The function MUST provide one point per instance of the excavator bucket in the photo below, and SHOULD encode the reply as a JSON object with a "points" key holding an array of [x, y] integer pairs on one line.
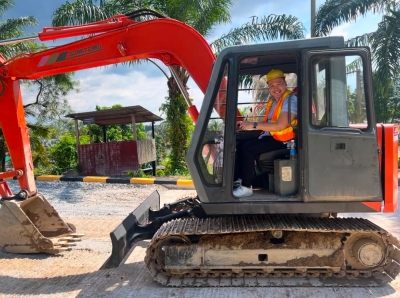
{"points": [[34, 226]]}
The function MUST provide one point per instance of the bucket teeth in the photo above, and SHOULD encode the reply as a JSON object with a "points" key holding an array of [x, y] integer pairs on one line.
{"points": [[75, 240], [60, 250], [66, 238], [70, 239], [66, 244]]}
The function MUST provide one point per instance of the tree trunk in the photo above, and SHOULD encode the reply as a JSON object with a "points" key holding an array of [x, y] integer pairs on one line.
{"points": [[178, 124]]}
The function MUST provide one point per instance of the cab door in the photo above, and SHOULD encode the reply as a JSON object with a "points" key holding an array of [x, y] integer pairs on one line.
{"points": [[339, 146]]}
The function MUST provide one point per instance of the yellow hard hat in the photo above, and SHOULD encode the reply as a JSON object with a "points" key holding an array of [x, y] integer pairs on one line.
{"points": [[275, 73]]}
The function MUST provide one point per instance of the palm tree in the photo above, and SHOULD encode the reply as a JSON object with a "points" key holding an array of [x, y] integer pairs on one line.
{"points": [[384, 42], [50, 89], [203, 15], [13, 28]]}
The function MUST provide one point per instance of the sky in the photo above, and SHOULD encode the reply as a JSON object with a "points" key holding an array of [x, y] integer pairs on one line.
{"points": [[145, 84]]}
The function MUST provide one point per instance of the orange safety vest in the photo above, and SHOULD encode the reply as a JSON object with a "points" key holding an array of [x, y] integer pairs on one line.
{"points": [[287, 133]]}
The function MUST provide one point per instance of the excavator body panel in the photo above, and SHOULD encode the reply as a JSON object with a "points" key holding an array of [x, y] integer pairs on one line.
{"points": [[288, 228]]}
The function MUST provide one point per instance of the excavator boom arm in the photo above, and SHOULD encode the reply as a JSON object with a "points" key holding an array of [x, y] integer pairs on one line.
{"points": [[116, 40], [170, 41]]}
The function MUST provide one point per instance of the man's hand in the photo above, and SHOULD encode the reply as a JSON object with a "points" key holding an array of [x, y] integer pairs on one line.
{"points": [[246, 125]]}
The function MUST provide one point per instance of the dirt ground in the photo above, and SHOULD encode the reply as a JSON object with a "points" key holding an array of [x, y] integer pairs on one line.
{"points": [[76, 273]]}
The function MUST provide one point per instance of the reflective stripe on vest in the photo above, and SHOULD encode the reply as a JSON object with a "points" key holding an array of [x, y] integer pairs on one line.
{"points": [[287, 133]]}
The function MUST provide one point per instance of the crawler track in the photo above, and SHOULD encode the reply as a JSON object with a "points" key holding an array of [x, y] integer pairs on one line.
{"points": [[346, 271]]}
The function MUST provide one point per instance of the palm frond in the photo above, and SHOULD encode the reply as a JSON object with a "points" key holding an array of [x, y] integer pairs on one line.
{"points": [[114, 7], [354, 66], [246, 82], [9, 51], [14, 27], [199, 14], [386, 48], [210, 14], [93, 2], [5, 5], [79, 12], [336, 12], [177, 9], [360, 41], [269, 28]]}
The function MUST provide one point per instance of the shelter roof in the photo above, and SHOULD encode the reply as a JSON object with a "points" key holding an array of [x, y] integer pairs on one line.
{"points": [[117, 116]]}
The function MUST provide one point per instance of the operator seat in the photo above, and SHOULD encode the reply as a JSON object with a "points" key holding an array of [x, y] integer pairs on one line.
{"points": [[266, 160]]}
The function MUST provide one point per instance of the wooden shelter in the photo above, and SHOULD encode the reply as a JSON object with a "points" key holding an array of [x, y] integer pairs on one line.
{"points": [[115, 158]]}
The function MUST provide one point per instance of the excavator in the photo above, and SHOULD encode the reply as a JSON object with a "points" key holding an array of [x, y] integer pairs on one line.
{"points": [[288, 233]]}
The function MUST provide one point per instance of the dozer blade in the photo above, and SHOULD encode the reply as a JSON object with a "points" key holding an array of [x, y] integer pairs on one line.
{"points": [[34, 226], [143, 223], [132, 229]]}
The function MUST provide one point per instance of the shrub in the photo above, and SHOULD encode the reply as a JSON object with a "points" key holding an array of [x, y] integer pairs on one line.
{"points": [[63, 155]]}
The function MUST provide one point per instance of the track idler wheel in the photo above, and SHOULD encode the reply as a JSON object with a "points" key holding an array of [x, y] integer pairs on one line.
{"points": [[365, 251], [171, 240]]}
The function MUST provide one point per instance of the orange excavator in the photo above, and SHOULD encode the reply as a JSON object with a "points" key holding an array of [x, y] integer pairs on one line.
{"points": [[288, 232], [28, 223]]}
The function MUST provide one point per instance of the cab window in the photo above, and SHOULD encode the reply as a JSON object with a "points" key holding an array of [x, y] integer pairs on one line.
{"points": [[337, 92]]}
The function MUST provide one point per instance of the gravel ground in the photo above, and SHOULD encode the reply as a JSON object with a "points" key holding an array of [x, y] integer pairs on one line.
{"points": [[96, 209]]}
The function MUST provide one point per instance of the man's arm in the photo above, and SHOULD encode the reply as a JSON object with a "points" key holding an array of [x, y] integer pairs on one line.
{"points": [[281, 124]]}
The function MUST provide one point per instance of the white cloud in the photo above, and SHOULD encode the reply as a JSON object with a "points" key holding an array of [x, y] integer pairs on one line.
{"points": [[134, 88], [341, 30], [100, 87], [196, 94]]}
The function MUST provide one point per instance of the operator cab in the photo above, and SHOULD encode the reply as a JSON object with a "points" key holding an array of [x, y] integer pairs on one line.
{"points": [[335, 136], [253, 95]]}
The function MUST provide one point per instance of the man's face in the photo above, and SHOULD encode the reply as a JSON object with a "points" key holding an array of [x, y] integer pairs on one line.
{"points": [[277, 87]]}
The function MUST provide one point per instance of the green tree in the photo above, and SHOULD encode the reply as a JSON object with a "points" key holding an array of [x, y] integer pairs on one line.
{"points": [[387, 108], [179, 128], [384, 42], [46, 114], [203, 16], [40, 155], [117, 132], [50, 92], [161, 141], [14, 28], [63, 155]]}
